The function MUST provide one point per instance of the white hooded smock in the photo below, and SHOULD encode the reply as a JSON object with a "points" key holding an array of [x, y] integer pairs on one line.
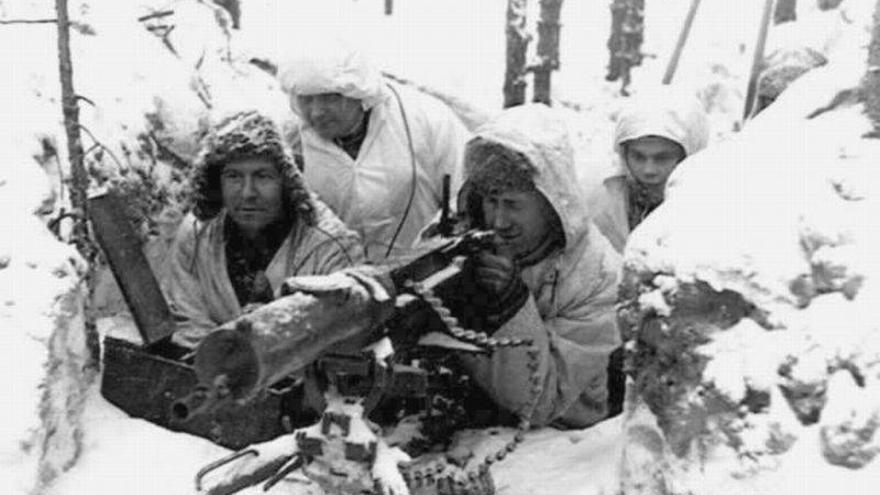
{"points": [[199, 290], [395, 182], [570, 313], [674, 116]]}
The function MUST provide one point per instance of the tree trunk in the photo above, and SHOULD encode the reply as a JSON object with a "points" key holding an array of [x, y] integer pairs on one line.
{"points": [[757, 61], [625, 42], [829, 4], [234, 9], [786, 10], [548, 49], [79, 183], [679, 44], [517, 42], [871, 81], [79, 177]]}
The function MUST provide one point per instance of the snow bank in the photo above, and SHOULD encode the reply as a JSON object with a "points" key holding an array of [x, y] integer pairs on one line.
{"points": [[42, 346], [141, 126], [759, 363]]}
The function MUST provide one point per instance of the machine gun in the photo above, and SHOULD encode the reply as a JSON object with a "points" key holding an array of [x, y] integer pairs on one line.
{"points": [[342, 452], [343, 312], [321, 320]]}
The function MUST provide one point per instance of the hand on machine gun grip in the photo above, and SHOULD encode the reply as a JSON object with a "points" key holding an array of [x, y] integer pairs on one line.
{"points": [[496, 273]]}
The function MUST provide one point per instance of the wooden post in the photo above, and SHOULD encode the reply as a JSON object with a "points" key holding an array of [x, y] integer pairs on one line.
{"points": [[871, 82], [517, 42], [625, 42], [679, 45], [786, 10], [548, 49], [757, 60]]}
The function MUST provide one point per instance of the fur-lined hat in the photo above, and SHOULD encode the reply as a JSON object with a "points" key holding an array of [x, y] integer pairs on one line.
{"points": [[492, 167], [246, 134]]}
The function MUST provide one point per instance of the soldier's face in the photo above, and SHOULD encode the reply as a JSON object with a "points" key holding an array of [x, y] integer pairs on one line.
{"points": [[331, 115], [651, 159], [521, 220], [252, 193]]}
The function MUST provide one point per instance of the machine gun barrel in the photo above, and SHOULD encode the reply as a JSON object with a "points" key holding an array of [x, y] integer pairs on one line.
{"points": [[200, 400]]}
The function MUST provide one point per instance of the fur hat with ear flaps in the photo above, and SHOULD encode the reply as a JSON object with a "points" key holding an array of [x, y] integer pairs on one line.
{"points": [[240, 136]]}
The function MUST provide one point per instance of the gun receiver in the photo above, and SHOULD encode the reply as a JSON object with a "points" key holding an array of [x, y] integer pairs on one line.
{"points": [[441, 258]]}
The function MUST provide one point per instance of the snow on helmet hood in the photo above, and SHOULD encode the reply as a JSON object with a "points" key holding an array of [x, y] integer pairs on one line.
{"points": [[540, 134], [667, 114], [332, 67]]}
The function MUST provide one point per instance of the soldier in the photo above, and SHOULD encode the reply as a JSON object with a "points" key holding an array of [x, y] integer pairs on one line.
{"points": [[253, 225], [654, 134], [375, 152], [552, 278]]}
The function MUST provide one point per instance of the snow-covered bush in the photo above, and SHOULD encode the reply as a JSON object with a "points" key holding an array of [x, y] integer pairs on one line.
{"points": [[751, 306]]}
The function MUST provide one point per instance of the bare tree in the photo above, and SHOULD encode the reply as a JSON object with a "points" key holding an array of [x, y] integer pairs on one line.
{"points": [[79, 183], [70, 108], [679, 44], [625, 42], [234, 9], [871, 82], [786, 10], [548, 49], [829, 4], [757, 61], [517, 42]]}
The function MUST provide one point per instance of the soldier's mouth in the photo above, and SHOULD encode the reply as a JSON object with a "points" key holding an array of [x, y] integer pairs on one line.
{"points": [[506, 239]]}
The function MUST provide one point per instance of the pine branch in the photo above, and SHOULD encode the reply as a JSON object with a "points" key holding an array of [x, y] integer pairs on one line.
{"points": [[29, 21], [155, 15]]}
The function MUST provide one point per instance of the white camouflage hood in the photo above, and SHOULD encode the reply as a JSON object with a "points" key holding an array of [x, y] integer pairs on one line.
{"points": [[676, 117], [541, 135], [333, 67]]}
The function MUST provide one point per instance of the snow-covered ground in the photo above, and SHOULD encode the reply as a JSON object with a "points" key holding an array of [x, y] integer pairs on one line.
{"points": [[78, 443]]}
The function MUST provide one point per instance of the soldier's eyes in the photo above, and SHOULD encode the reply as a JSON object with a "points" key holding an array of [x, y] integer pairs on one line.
{"points": [[637, 156]]}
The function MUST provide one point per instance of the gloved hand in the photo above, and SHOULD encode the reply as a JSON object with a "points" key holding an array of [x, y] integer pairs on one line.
{"points": [[495, 273], [499, 276]]}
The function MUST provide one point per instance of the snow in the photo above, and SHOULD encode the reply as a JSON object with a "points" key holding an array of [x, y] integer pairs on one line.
{"points": [[583, 462], [457, 46], [781, 214], [122, 454]]}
